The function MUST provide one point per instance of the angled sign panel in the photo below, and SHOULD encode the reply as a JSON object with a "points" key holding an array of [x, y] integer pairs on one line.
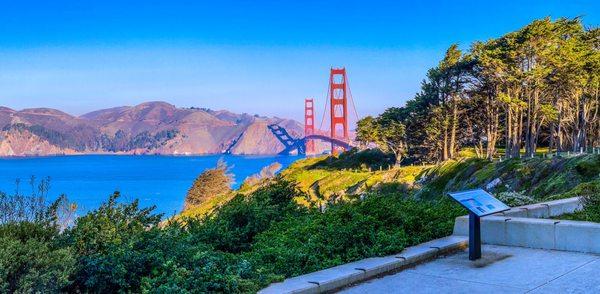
{"points": [[479, 202]]}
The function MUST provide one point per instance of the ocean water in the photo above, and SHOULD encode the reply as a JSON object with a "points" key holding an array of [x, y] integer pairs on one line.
{"points": [[88, 180]]}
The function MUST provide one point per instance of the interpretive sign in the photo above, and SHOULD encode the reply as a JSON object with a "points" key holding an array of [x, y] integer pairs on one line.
{"points": [[479, 203]]}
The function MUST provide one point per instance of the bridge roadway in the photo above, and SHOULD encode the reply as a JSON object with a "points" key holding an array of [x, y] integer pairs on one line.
{"points": [[292, 143]]}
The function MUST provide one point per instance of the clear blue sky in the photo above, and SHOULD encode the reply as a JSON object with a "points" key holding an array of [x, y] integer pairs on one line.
{"points": [[246, 56]]}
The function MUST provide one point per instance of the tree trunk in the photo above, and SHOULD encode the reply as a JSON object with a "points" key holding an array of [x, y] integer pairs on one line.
{"points": [[452, 146], [518, 139], [492, 127], [445, 140], [559, 138], [509, 142]]}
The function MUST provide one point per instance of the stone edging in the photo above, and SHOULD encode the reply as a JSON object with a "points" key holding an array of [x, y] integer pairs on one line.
{"points": [[529, 226], [350, 273], [545, 209]]}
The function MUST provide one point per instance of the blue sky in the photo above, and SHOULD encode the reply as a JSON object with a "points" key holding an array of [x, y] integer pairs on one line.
{"points": [[246, 56]]}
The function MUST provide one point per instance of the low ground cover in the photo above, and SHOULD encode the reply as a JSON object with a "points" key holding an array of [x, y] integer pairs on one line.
{"points": [[591, 207]]}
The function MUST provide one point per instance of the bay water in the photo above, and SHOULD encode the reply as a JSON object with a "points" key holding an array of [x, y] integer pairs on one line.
{"points": [[88, 180]]}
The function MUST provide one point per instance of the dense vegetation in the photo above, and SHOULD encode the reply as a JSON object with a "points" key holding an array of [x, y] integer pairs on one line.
{"points": [[537, 86], [361, 206], [245, 244]]}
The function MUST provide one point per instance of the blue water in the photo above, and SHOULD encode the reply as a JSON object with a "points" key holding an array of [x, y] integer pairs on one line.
{"points": [[154, 180]]}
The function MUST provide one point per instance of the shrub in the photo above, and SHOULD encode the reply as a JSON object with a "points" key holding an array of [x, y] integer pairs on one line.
{"points": [[187, 266], [513, 199], [210, 183], [591, 207], [31, 261], [111, 246], [232, 227], [379, 225], [373, 159], [590, 167]]}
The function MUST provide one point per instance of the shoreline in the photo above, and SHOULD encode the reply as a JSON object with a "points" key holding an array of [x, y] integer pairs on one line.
{"points": [[143, 155]]}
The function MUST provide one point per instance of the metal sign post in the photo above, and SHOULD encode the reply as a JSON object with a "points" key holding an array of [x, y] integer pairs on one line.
{"points": [[479, 203], [474, 236]]}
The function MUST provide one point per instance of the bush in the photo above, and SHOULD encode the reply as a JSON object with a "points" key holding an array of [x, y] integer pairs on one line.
{"points": [[379, 225], [31, 261], [111, 246], [232, 227], [513, 199], [373, 159], [591, 207], [589, 168], [186, 266], [210, 183]]}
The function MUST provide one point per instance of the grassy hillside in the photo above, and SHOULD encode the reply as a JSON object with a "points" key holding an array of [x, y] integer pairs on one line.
{"points": [[323, 180]]}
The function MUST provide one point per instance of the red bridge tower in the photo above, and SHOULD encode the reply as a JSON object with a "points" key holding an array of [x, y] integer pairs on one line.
{"points": [[339, 107], [309, 125]]}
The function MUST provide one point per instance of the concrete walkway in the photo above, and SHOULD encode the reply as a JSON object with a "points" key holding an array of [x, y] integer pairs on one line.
{"points": [[502, 269]]}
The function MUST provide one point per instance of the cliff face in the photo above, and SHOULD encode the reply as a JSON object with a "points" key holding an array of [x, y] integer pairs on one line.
{"points": [[148, 128]]}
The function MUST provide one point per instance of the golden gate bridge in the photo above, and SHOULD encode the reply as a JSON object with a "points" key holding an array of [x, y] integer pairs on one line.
{"points": [[338, 96]]}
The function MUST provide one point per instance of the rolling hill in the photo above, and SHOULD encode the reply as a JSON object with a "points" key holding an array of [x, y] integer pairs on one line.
{"points": [[147, 128]]}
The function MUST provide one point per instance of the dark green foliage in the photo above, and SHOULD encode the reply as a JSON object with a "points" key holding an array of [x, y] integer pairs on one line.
{"points": [[379, 225], [243, 246], [591, 204], [31, 261], [589, 168], [183, 265], [232, 227], [373, 159], [147, 140], [110, 244], [121, 248]]}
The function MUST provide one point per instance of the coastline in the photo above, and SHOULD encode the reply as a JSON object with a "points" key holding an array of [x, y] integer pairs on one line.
{"points": [[142, 154]]}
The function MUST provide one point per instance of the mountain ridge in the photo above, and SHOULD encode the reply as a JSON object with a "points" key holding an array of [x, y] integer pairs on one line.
{"points": [[154, 127]]}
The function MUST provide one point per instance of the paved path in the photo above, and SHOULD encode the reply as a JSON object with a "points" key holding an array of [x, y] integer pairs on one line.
{"points": [[501, 270]]}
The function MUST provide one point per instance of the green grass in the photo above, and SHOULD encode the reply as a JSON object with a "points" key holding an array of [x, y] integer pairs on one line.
{"points": [[538, 178]]}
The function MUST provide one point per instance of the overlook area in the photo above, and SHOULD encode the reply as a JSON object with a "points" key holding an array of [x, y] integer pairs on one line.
{"points": [[491, 141]]}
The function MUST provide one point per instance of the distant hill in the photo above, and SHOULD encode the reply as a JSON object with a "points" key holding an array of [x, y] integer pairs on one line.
{"points": [[147, 128]]}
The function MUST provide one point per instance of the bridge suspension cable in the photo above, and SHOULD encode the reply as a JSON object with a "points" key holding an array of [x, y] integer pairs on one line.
{"points": [[352, 100], [326, 104]]}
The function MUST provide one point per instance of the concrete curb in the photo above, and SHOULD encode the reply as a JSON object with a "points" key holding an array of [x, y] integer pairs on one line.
{"points": [[350, 273], [529, 226], [545, 209]]}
